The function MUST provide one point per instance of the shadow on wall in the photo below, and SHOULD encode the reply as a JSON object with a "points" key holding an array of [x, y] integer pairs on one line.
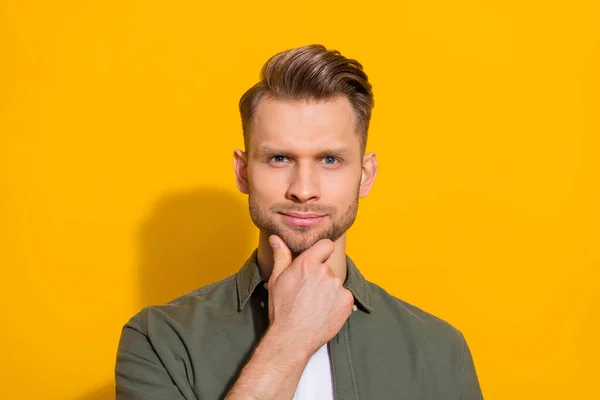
{"points": [[190, 239]]}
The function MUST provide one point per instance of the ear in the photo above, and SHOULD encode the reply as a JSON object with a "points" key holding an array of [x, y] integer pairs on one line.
{"points": [[240, 167], [369, 172]]}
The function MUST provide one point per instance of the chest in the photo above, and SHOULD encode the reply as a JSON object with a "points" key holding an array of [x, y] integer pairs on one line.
{"points": [[361, 362], [316, 382]]}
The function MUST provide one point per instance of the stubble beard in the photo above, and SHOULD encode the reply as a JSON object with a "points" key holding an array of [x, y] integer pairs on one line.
{"points": [[301, 238]]}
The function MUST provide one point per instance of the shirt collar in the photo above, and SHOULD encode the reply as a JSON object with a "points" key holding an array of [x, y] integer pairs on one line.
{"points": [[248, 278]]}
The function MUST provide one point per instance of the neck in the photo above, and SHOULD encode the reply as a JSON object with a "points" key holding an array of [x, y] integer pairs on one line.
{"points": [[337, 261]]}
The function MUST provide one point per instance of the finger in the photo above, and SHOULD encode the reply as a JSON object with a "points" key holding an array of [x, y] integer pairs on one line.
{"points": [[320, 251], [282, 257]]}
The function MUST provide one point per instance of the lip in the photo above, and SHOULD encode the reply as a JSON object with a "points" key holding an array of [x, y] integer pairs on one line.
{"points": [[295, 219], [298, 215]]}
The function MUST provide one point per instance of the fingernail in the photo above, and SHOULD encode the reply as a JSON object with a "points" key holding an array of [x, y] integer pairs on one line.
{"points": [[274, 242]]}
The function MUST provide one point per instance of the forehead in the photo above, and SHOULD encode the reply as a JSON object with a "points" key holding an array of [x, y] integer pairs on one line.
{"points": [[301, 124]]}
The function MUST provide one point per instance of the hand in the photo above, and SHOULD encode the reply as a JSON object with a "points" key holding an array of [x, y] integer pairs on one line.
{"points": [[308, 304]]}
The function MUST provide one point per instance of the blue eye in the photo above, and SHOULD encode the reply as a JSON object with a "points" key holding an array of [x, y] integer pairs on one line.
{"points": [[330, 160], [278, 159]]}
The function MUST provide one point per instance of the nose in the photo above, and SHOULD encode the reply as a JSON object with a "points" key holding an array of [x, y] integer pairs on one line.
{"points": [[304, 184]]}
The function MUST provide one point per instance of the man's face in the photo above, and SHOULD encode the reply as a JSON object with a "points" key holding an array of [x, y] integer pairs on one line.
{"points": [[304, 166]]}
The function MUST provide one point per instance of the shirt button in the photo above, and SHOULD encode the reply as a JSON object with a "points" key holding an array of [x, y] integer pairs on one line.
{"points": [[354, 308], [262, 304], [266, 285]]}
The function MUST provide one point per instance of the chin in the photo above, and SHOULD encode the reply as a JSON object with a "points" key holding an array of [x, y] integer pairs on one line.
{"points": [[300, 240]]}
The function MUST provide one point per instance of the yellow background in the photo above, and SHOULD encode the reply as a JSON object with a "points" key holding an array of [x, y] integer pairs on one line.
{"points": [[118, 120]]}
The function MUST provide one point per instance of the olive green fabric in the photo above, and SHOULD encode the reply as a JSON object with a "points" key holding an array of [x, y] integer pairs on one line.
{"points": [[195, 346]]}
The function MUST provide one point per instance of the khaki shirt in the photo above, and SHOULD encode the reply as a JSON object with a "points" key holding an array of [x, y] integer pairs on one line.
{"points": [[195, 346]]}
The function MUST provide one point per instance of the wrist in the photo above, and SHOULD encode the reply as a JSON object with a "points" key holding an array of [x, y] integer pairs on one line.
{"points": [[288, 342]]}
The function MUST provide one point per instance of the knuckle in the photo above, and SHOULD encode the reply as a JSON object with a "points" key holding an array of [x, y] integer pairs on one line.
{"points": [[281, 257], [348, 298], [303, 268], [304, 265], [337, 282]]}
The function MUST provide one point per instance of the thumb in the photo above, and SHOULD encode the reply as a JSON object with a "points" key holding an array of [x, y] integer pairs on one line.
{"points": [[282, 257]]}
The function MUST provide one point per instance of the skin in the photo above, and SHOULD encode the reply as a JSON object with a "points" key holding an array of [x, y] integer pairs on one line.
{"points": [[303, 157]]}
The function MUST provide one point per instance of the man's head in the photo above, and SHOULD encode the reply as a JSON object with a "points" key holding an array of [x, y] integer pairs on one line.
{"points": [[305, 130]]}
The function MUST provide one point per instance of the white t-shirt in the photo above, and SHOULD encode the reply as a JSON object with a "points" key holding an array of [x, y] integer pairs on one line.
{"points": [[316, 382]]}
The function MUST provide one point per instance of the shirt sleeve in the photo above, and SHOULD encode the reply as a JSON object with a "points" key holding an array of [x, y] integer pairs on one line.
{"points": [[469, 383], [139, 371]]}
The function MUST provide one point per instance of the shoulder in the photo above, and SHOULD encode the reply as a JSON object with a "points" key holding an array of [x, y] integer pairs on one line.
{"points": [[425, 331], [210, 301], [437, 347]]}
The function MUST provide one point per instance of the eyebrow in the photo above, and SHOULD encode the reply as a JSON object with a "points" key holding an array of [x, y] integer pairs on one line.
{"points": [[336, 152]]}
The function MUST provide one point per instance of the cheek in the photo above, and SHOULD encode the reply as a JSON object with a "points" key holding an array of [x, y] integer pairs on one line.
{"points": [[265, 187], [340, 192], [348, 176]]}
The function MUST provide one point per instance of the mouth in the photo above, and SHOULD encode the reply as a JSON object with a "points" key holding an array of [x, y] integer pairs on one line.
{"points": [[297, 219]]}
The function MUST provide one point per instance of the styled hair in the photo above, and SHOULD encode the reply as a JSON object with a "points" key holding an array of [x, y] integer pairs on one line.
{"points": [[311, 73]]}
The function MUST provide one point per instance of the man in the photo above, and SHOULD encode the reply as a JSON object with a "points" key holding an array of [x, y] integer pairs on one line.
{"points": [[298, 320]]}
